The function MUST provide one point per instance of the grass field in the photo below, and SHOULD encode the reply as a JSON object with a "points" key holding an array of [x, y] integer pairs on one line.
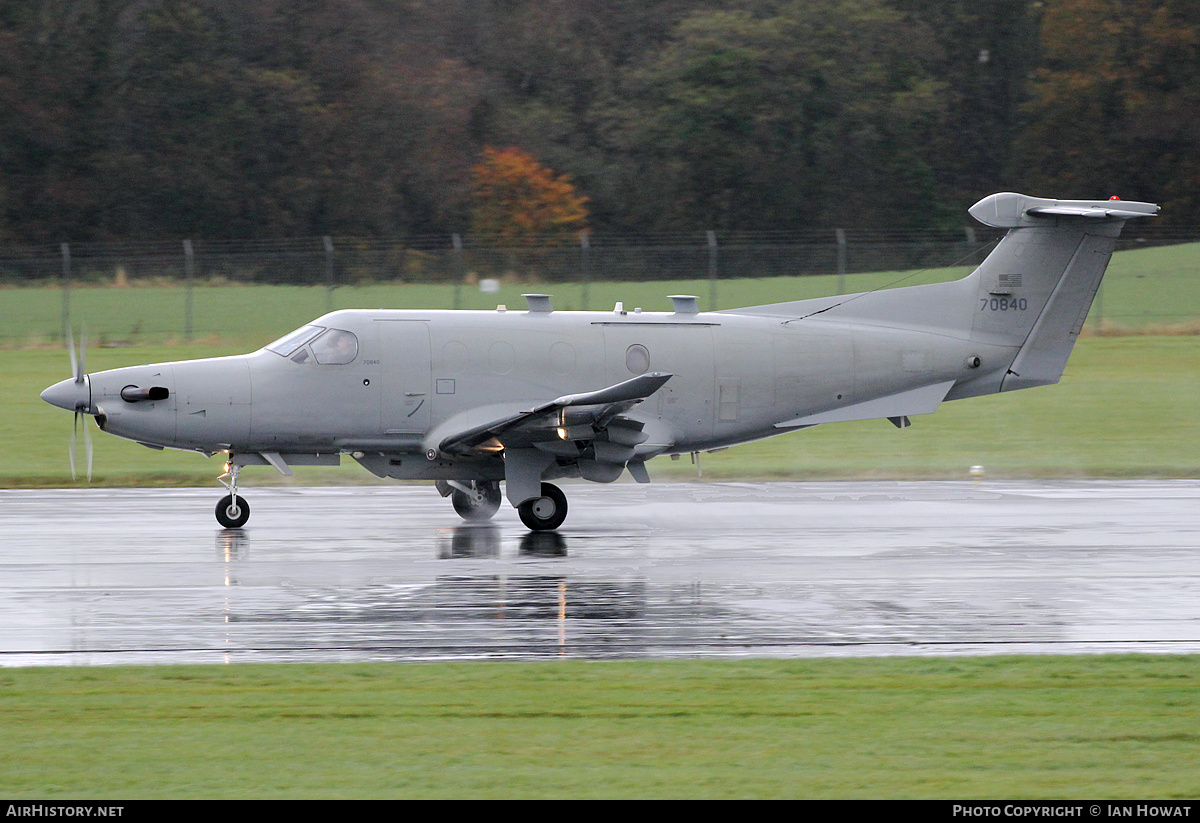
{"points": [[1156, 289], [1001, 727]]}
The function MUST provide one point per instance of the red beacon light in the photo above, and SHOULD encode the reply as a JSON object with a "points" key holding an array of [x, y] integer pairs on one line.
{"points": [[1114, 197]]}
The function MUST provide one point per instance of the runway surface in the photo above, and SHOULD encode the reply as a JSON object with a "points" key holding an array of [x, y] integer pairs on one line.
{"points": [[116, 576]]}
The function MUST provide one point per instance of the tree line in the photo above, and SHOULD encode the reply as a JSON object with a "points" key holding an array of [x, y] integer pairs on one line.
{"points": [[146, 119]]}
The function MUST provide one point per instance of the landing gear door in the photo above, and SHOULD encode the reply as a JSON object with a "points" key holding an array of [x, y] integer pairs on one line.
{"points": [[406, 376]]}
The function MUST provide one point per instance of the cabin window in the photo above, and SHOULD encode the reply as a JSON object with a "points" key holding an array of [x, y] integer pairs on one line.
{"points": [[335, 348], [637, 358]]}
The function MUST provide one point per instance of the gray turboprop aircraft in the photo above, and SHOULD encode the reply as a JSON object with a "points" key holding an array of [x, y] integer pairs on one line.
{"points": [[468, 398]]}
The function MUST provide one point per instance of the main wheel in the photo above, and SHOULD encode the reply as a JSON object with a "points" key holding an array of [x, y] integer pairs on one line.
{"points": [[546, 512], [232, 513], [469, 508]]}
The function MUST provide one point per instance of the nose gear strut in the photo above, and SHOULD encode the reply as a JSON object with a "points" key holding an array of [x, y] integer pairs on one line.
{"points": [[232, 511]]}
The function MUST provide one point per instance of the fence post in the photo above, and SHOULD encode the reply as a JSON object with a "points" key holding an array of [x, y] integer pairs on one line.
{"points": [[189, 273], [66, 290], [327, 241], [456, 242], [712, 270], [841, 259], [584, 249]]}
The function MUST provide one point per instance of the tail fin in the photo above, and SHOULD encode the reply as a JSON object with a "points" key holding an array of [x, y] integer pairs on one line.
{"points": [[1032, 293], [1036, 287]]}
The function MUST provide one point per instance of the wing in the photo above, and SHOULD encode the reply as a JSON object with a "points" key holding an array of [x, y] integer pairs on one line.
{"points": [[557, 425]]}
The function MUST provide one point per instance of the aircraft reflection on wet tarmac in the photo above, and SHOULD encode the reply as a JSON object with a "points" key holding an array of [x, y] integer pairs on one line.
{"points": [[463, 597], [706, 570], [476, 540]]}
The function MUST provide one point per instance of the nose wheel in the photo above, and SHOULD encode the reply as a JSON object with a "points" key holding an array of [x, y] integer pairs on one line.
{"points": [[232, 511]]}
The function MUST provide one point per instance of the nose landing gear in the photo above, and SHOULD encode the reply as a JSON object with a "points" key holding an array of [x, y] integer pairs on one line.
{"points": [[232, 511]]}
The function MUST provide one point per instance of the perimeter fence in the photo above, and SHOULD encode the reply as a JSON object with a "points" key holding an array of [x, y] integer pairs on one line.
{"points": [[151, 291]]}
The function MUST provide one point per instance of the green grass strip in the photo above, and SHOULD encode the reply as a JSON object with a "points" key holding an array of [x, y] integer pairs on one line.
{"points": [[991, 727]]}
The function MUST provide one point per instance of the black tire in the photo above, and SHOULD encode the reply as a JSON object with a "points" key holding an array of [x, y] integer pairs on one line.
{"points": [[546, 512], [233, 514], [476, 512]]}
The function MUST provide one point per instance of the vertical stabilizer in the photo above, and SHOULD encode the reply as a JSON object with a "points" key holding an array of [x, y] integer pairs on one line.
{"points": [[1036, 288], [1027, 300]]}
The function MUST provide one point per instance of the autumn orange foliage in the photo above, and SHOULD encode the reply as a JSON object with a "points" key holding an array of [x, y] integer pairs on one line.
{"points": [[519, 200]]}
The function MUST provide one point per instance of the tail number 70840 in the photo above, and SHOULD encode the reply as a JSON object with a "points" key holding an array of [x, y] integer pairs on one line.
{"points": [[1003, 304]]}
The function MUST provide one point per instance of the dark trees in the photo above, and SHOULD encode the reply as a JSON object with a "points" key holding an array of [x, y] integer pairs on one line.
{"points": [[215, 118], [1115, 107]]}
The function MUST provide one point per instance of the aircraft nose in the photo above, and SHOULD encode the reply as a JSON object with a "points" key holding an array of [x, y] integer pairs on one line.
{"points": [[69, 395]]}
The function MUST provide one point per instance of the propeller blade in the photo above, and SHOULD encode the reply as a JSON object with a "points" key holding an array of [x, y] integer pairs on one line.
{"points": [[82, 354], [74, 437], [87, 448], [75, 372], [79, 372]]}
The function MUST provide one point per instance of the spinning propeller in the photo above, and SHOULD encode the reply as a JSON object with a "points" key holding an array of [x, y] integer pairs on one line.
{"points": [[75, 395], [79, 371]]}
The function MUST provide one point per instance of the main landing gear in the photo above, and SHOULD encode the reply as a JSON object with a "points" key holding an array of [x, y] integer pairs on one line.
{"points": [[546, 512], [232, 511], [477, 501]]}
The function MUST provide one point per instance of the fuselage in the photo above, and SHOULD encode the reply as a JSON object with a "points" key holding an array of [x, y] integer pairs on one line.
{"points": [[734, 378]]}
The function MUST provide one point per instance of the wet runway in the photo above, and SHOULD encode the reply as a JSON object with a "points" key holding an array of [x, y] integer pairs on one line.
{"points": [[116, 576]]}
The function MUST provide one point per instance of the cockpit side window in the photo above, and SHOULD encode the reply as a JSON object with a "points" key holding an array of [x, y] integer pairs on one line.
{"points": [[288, 344], [335, 348]]}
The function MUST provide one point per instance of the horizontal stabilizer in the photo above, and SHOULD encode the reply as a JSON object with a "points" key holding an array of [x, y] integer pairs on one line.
{"points": [[1008, 210], [924, 400]]}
